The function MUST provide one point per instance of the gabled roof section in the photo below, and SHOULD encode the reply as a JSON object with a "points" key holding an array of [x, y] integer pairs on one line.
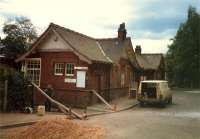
{"points": [[149, 61], [34, 45], [113, 48], [116, 49], [84, 44], [87, 48]]}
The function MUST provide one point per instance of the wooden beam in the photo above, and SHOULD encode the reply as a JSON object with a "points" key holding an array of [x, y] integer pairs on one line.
{"points": [[62, 107], [103, 100]]}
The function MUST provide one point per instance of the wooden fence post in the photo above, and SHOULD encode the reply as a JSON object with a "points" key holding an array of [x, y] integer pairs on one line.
{"points": [[5, 95]]}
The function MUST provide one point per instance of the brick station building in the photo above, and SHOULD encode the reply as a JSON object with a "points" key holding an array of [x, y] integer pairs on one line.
{"points": [[71, 62]]}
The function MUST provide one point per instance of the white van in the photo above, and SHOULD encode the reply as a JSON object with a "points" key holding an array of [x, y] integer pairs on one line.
{"points": [[154, 91]]}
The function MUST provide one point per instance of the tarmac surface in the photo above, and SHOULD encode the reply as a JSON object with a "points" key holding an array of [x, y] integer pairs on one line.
{"points": [[181, 120]]}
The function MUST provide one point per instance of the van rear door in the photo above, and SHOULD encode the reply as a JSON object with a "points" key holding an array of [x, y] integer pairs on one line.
{"points": [[149, 90]]}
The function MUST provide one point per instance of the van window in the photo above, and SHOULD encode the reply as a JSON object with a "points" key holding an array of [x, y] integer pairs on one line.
{"points": [[149, 90]]}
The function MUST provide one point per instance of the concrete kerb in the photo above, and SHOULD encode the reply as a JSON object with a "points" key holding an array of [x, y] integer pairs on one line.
{"points": [[17, 124], [89, 115]]}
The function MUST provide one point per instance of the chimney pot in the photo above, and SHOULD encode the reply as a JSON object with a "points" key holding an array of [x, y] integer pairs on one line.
{"points": [[138, 49], [122, 32]]}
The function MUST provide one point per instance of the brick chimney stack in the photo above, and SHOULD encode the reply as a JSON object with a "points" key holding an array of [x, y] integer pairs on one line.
{"points": [[122, 32], [138, 49]]}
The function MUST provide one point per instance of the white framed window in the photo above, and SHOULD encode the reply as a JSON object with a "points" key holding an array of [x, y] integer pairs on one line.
{"points": [[32, 70], [69, 69], [58, 69]]}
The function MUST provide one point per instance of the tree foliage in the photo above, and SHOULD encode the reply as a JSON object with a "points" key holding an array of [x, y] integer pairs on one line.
{"points": [[183, 56], [20, 33], [19, 93]]}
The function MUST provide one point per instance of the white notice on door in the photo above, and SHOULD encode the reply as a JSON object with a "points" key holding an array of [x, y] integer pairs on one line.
{"points": [[80, 81]]}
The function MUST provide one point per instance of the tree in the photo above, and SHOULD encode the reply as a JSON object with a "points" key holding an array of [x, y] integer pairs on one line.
{"points": [[20, 33], [19, 93], [183, 56]]}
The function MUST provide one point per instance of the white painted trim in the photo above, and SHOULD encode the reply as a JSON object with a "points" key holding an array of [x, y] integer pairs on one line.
{"points": [[98, 44], [69, 74], [81, 68], [36, 59], [58, 74], [69, 80]]}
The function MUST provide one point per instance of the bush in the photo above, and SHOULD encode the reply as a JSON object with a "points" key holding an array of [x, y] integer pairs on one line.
{"points": [[19, 94]]}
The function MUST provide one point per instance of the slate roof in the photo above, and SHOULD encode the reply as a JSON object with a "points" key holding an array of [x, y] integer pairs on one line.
{"points": [[108, 50], [116, 49], [82, 43], [149, 61]]}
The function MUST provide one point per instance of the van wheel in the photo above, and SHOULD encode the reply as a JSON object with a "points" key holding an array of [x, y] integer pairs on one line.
{"points": [[170, 100]]}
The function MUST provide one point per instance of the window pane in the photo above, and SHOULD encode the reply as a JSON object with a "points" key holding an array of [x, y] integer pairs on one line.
{"points": [[69, 68], [59, 68], [33, 70]]}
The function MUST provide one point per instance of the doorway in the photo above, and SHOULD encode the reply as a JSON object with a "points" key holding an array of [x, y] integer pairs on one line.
{"points": [[80, 81]]}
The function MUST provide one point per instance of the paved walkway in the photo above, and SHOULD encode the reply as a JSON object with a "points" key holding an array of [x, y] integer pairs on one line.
{"points": [[19, 119], [122, 103]]}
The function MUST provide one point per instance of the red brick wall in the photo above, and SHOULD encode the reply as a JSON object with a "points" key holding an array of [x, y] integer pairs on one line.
{"points": [[48, 59], [125, 68], [99, 77]]}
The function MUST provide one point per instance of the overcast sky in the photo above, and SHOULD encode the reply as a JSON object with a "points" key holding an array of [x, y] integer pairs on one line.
{"points": [[150, 23]]}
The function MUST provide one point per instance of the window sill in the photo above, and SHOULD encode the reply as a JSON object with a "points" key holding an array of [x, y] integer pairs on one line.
{"points": [[57, 74], [69, 75]]}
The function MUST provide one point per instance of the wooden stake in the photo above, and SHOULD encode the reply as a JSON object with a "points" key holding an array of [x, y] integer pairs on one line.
{"points": [[60, 106], [103, 100]]}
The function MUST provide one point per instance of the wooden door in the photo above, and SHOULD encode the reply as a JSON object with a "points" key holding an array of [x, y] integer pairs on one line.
{"points": [[80, 81]]}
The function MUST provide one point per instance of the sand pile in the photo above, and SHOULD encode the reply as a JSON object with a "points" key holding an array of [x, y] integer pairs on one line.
{"points": [[60, 128]]}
